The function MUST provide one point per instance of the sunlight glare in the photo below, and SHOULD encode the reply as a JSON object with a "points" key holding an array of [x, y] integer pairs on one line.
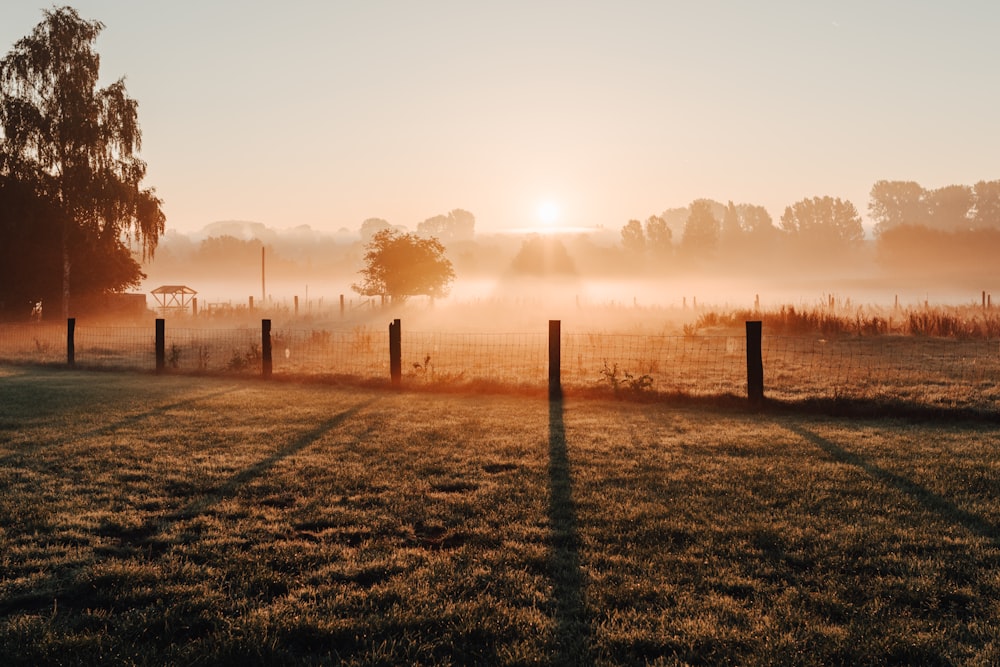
{"points": [[548, 213]]}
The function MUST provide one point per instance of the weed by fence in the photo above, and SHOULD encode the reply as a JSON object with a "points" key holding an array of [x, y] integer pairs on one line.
{"points": [[920, 370]]}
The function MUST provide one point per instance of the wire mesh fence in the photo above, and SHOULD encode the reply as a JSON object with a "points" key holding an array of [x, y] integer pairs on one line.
{"points": [[937, 372]]}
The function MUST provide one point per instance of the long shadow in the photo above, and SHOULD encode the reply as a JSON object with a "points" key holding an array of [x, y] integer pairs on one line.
{"points": [[112, 427], [138, 417], [930, 500], [148, 534], [231, 487], [572, 624]]}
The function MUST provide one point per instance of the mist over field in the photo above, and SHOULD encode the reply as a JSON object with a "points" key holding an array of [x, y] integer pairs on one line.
{"points": [[522, 277]]}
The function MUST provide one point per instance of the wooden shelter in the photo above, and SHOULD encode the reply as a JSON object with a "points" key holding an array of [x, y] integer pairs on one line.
{"points": [[173, 298]]}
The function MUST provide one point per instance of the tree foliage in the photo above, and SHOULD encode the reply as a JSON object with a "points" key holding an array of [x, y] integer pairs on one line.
{"points": [[747, 229], [952, 208], [824, 220], [966, 257], [633, 237], [987, 209], [542, 256], [458, 225], [896, 203], [702, 229], [29, 270], [403, 265], [74, 147], [652, 238], [659, 238], [372, 226]]}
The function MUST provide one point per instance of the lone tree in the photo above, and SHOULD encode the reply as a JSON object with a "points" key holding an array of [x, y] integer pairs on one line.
{"points": [[404, 265], [69, 165]]}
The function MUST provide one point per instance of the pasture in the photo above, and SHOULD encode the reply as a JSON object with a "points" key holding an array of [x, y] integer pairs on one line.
{"points": [[227, 520]]}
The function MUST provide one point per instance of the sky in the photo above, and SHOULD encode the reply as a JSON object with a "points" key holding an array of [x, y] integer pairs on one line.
{"points": [[568, 113]]}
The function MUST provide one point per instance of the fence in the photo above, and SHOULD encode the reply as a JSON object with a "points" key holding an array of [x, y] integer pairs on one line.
{"points": [[934, 372]]}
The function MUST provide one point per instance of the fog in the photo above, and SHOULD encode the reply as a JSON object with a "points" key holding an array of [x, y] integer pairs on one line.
{"points": [[518, 280]]}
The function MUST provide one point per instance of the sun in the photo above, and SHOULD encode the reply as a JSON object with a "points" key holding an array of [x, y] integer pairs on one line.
{"points": [[548, 213]]}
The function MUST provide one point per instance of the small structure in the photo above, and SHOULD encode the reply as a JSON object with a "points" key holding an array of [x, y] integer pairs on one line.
{"points": [[173, 298]]}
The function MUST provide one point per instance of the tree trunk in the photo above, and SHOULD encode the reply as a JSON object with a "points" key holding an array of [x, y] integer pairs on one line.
{"points": [[65, 271]]}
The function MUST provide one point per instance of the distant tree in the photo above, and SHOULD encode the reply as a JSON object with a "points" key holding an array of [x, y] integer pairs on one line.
{"points": [[633, 237], [75, 146], [731, 230], [987, 207], [372, 226], [895, 203], [950, 208], [543, 256], [403, 265], [756, 221], [950, 257], [659, 238], [676, 218], [224, 252], [701, 232], [746, 228], [823, 220], [458, 225]]}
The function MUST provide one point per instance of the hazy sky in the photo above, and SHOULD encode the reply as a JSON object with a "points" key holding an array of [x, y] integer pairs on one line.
{"points": [[327, 113]]}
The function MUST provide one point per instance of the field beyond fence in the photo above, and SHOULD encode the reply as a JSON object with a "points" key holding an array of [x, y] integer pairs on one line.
{"points": [[924, 371]]}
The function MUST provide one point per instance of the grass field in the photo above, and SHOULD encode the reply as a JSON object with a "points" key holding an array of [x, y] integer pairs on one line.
{"points": [[180, 520]]}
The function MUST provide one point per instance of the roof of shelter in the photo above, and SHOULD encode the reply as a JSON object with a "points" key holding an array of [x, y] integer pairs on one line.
{"points": [[173, 289]]}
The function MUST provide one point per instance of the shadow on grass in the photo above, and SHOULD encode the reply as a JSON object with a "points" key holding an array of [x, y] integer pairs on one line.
{"points": [[930, 500], [113, 427], [231, 487], [147, 536], [572, 630]]}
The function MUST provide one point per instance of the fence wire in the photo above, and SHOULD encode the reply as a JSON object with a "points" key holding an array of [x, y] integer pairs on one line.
{"points": [[920, 370]]}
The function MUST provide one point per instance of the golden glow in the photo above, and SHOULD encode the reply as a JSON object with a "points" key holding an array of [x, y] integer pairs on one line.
{"points": [[548, 213]]}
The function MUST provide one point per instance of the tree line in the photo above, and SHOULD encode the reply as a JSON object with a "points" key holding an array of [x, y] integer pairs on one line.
{"points": [[909, 220]]}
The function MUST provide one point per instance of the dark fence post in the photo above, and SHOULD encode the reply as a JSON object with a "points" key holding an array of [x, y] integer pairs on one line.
{"points": [[395, 352], [555, 359], [265, 348], [755, 364], [161, 345], [71, 342]]}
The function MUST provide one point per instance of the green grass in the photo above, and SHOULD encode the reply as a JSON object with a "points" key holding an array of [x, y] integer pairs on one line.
{"points": [[173, 520]]}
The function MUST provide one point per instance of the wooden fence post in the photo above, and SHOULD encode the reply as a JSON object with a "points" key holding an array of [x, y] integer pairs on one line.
{"points": [[71, 342], [555, 359], [395, 353], [341, 305], [265, 348], [161, 345], [755, 364]]}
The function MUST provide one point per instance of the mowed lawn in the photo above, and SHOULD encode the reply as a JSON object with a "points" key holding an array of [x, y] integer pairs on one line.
{"points": [[180, 520]]}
